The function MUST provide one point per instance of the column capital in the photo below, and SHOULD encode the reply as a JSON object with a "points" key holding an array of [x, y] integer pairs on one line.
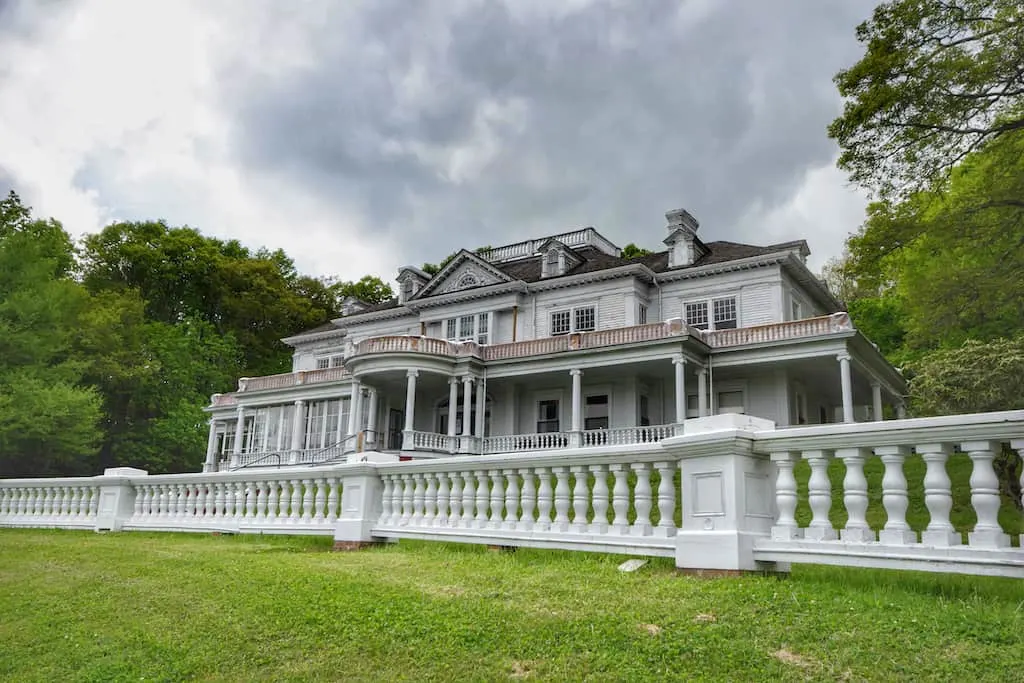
{"points": [[240, 410], [843, 355], [679, 360], [300, 402], [575, 372], [468, 379], [453, 380], [412, 373]]}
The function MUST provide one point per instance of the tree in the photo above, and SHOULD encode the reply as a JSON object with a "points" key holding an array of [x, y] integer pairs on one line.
{"points": [[435, 268], [48, 414], [257, 298], [368, 289], [633, 251], [939, 79]]}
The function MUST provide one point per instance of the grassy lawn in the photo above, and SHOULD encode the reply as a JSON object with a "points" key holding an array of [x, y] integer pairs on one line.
{"points": [[133, 606]]}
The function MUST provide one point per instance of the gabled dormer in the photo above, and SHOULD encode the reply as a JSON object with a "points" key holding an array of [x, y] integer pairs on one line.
{"points": [[410, 281], [350, 305], [684, 249], [467, 270], [556, 258]]}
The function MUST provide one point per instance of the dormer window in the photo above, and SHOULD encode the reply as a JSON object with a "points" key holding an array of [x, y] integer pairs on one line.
{"points": [[552, 263], [407, 289]]}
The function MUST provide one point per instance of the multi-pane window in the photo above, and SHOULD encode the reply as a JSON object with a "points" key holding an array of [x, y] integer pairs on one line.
{"points": [[580, 319], [547, 416], [697, 314], [585, 319], [561, 322], [595, 412], [641, 314], [795, 310], [469, 328], [323, 363], [725, 313]]}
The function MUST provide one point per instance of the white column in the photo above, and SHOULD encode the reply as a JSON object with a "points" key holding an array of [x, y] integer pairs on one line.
{"points": [[702, 392], [453, 408], [680, 365], [481, 408], [298, 430], [211, 448], [847, 385], [876, 402], [371, 419], [239, 436], [279, 446], [467, 404], [576, 437], [410, 408], [353, 408]]}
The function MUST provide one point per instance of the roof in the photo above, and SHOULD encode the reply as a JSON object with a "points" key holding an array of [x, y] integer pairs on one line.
{"points": [[529, 269]]}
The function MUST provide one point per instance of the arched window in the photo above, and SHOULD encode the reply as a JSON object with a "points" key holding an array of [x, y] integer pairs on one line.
{"points": [[467, 280]]}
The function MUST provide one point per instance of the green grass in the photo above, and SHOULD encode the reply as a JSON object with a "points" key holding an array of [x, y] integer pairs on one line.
{"points": [[77, 606]]}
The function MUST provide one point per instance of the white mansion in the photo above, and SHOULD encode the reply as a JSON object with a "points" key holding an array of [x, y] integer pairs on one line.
{"points": [[561, 343]]}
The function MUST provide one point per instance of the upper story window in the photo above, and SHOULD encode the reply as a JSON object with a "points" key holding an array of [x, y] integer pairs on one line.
{"points": [[324, 362], [475, 327], [796, 310], [579, 319], [722, 314], [641, 314]]}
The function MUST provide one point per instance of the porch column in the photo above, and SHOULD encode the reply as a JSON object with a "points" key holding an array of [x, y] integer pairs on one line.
{"points": [[847, 385], [453, 410], [239, 437], [211, 448], [702, 392], [481, 408], [410, 409], [901, 410], [279, 446], [680, 365], [298, 431], [353, 405], [876, 401], [576, 438], [371, 418]]}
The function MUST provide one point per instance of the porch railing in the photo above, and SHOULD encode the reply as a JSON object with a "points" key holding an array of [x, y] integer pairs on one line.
{"points": [[793, 329], [514, 443], [627, 436], [63, 503], [429, 441]]}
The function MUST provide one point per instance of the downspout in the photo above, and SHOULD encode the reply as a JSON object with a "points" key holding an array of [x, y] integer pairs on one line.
{"points": [[712, 403]]}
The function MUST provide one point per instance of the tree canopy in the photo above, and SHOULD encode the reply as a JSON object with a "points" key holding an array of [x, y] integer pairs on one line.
{"points": [[938, 80]]}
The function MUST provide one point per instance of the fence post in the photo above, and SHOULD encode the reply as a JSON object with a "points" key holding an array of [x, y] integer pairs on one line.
{"points": [[727, 494], [117, 497], [361, 507]]}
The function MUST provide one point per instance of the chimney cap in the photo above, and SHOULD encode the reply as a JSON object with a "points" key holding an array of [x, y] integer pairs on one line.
{"points": [[681, 218]]}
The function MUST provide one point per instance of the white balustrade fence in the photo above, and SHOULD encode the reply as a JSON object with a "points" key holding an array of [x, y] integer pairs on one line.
{"points": [[724, 495], [620, 503]]}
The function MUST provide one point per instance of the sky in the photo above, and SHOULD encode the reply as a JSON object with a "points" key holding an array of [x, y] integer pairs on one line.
{"points": [[363, 136]]}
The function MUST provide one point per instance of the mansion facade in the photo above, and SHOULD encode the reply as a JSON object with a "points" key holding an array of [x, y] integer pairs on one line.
{"points": [[561, 343]]}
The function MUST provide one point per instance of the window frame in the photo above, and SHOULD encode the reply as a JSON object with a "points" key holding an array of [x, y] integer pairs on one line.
{"points": [[708, 305], [573, 313], [454, 331]]}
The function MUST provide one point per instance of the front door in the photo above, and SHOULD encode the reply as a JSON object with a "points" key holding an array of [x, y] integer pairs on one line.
{"points": [[396, 418]]}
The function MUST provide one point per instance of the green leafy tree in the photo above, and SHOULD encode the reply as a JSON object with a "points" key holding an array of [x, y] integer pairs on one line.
{"points": [[48, 414], [633, 251], [938, 80], [257, 298], [368, 289]]}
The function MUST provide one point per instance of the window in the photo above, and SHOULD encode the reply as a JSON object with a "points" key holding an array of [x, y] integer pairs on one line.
{"points": [[645, 411], [467, 280], [595, 412], [580, 319], [697, 315], [469, 328], [730, 402], [323, 363], [725, 313], [692, 406], [407, 285], [337, 361], [795, 310], [547, 416], [483, 335], [641, 314], [552, 263]]}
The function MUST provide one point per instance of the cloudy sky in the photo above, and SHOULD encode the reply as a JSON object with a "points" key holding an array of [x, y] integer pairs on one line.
{"points": [[360, 136]]}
